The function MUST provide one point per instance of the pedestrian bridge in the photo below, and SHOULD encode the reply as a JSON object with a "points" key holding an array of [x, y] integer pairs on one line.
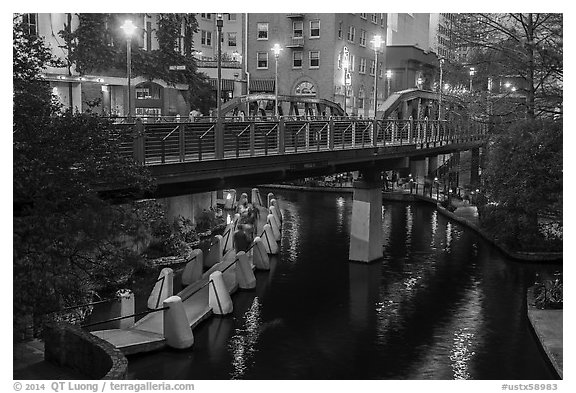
{"points": [[189, 157]]}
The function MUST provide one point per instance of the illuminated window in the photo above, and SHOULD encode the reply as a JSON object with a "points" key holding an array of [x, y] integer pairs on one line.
{"points": [[262, 31], [298, 28], [232, 39], [362, 66], [297, 59], [262, 60], [351, 33], [314, 28], [314, 59], [30, 23], [206, 38], [306, 89]]}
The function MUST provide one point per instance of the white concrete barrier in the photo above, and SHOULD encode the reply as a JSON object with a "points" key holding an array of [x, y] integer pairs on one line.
{"points": [[260, 256], [229, 199], [256, 198], [177, 331], [193, 269], [269, 197], [262, 215], [276, 204], [215, 252], [244, 273], [218, 296], [276, 211], [163, 289], [271, 220], [122, 308], [269, 240]]}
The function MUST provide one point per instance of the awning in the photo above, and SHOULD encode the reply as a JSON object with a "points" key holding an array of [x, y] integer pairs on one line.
{"points": [[261, 85], [227, 84]]}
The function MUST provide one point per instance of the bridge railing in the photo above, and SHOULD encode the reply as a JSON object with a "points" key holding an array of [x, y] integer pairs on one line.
{"points": [[159, 143]]}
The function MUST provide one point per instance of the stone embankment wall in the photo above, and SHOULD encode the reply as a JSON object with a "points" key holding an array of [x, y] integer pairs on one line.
{"points": [[69, 346]]}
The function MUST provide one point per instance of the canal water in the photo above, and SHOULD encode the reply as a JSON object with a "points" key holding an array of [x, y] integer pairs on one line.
{"points": [[443, 304]]}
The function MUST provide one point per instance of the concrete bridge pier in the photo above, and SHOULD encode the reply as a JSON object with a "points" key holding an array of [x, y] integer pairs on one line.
{"points": [[419, 168], [366, 227]]}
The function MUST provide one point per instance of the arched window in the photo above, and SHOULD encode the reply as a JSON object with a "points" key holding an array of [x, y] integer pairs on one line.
{"points": [[305, 89]]}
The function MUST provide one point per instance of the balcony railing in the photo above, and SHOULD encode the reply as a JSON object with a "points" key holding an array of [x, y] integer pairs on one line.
{"points": [[296, 42]]}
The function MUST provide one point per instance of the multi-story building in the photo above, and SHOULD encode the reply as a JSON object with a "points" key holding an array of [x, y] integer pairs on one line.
{"points": [[411, 61], [442, 35], [106, 92], [313, 57], [232, 49]]}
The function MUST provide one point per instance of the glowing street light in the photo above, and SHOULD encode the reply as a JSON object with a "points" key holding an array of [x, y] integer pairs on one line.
{"points": [[388, 79], [472, 73], [276, 49], [129, 29]]}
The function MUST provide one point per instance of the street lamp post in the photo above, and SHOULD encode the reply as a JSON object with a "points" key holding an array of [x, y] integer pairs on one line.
{"points": [[129, 29], [472, 72], [388, 79], [345, 64], [377, 41], [276, 49], [219, 24], [440, 97]]}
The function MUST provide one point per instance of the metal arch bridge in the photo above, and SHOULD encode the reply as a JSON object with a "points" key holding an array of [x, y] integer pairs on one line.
{"points": [[189, 157]]}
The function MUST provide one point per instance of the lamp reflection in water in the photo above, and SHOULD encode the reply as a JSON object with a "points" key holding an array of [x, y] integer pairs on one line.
{"points": [[243, 343], [340, 203]]}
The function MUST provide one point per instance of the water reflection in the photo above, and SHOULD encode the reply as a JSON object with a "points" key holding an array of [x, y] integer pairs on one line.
{"points": [[243, 343]]}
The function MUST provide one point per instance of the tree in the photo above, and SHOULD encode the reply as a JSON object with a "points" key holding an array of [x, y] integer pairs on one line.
{"points": [[68, 242], [523, 180], [526, 46], [97, 45]]}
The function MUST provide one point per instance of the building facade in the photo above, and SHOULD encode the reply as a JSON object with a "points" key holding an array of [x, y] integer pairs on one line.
{"points": [[232, 49], [107, 92], [312, 59], [411, 61]]}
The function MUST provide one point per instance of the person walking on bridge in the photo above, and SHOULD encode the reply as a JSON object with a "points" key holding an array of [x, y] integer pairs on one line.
{"points": [[241, 240]]}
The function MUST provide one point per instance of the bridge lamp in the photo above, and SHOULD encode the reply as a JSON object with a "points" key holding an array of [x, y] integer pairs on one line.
{"points": [[276, 49], [472, 73], [388, 79], [219, 24], [129, 28], [377, 41]]}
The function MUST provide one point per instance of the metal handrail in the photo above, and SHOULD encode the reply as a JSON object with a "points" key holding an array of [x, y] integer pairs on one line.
{"points": [[238, 140], [84, 305], [170, 133], [125, 316]]}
